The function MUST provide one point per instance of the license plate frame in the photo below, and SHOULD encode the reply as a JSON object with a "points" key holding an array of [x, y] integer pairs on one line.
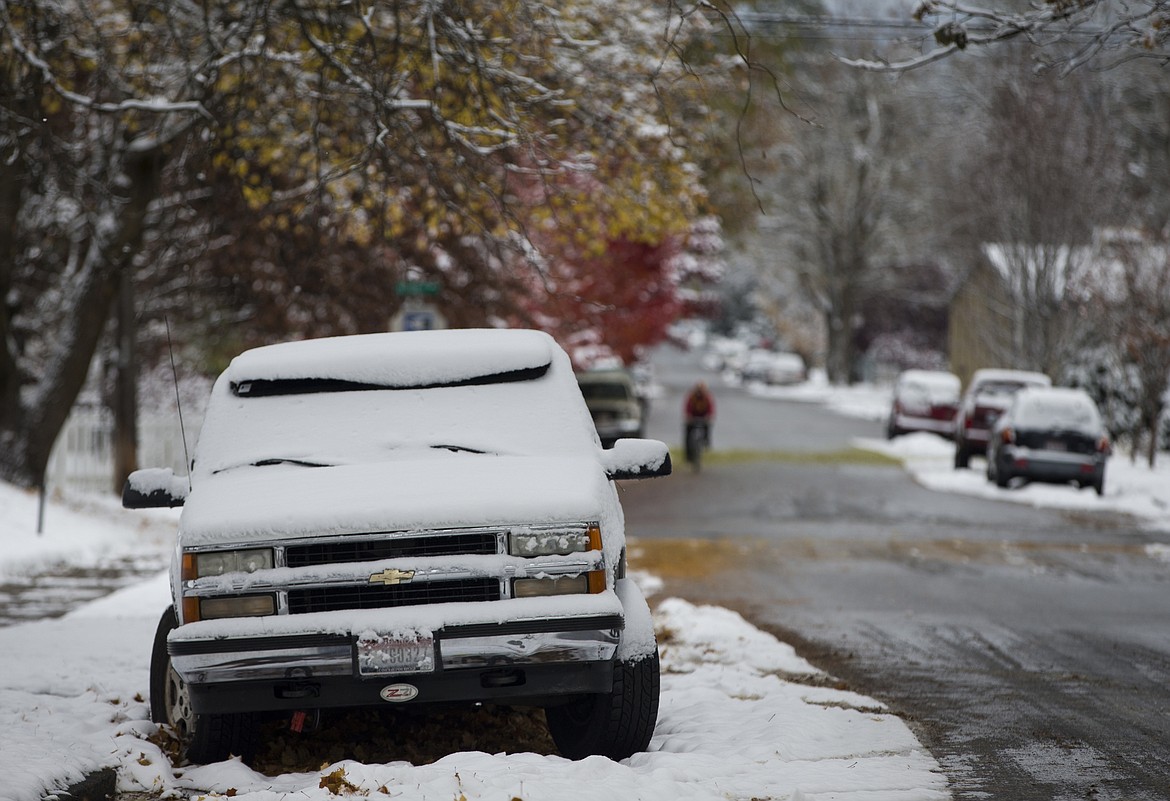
{"points": [[394, 654]]}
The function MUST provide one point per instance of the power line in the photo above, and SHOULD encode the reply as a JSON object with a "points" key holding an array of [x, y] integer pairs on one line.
{"points": [[823, 27], [776, 18]]}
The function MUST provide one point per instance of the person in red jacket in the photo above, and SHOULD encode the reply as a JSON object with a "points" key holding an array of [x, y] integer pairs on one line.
{"points": [[699, 410]]}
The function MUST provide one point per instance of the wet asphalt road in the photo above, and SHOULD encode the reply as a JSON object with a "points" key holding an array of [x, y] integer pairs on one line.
{"points": [[1028, 648]]}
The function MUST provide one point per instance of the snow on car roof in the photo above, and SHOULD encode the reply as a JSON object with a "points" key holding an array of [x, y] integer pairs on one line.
{"points": [[933, 378], [1002, 374], [1056, 407], [399, 359]]}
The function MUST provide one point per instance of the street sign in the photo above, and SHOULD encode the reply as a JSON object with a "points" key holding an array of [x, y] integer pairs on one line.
{"points": [[418, 317], [416, 288]]}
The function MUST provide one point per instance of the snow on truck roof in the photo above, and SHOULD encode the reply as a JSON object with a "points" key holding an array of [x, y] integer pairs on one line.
{"points": [[469, 391], [397, 360]]}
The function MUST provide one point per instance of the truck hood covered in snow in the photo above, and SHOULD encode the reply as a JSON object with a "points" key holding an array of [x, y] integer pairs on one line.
{"points": [[437, 489]]}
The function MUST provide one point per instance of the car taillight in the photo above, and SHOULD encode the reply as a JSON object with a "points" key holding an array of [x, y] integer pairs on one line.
{"points": [[1103, 444], [1007, 436]]}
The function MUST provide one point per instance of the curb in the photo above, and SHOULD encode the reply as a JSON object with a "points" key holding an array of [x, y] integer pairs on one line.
{"points": [[100, 785]]}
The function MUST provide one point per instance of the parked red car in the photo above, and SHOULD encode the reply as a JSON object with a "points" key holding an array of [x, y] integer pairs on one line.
{"points": [[988, 395], [924, 400]]}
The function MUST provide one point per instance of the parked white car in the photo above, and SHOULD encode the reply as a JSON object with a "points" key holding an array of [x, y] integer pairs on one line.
{"points": [[403, 518], [775, 368], [924, 400]]}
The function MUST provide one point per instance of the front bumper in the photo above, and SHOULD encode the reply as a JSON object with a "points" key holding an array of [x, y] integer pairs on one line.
{"points": [[527, 659], [616, 429]]}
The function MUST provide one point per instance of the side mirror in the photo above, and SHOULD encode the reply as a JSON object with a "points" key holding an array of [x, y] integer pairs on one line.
{"points": [[154, 488], [636, 458]]}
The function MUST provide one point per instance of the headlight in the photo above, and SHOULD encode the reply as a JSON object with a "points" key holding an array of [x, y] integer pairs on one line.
{"points": [[554, 542], [539, 587], [217, 563], [591, 582], [237, 606]]}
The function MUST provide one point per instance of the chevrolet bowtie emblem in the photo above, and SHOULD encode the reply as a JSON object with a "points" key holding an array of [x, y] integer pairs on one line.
{"points": [[392, 576]]}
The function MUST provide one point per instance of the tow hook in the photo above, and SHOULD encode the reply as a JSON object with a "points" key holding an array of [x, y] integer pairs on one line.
{"points": [[305, 720]]}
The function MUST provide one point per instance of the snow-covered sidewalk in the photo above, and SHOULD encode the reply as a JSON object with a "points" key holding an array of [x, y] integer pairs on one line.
{"points": [[1131, 487]]}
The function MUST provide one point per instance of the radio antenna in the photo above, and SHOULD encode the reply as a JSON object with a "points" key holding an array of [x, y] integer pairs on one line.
{"points": [[178, 402]]}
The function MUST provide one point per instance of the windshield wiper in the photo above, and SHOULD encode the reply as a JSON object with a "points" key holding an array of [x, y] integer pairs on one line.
{"points": [[275, 460], [457, 449], [266, 387], [281, 460]]}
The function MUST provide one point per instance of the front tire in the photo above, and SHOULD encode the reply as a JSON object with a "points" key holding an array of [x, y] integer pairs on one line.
{"points": [[696, 440], [962, 457], [202, 738], [617, 724]]}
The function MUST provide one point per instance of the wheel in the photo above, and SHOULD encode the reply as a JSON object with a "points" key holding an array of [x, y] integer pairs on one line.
{"points": [[695, 441], [617, 724], [1002, 479], [1099, 486], [203, 738], [962, 457]]}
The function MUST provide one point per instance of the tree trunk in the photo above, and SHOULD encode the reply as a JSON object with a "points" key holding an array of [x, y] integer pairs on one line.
{"points": [[839, 335], [1152, 420], [28, 431], [12, 445], [125, 399]]}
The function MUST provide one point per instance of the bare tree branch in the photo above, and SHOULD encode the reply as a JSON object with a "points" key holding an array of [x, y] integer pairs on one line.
{"points": [[1070, 33]]}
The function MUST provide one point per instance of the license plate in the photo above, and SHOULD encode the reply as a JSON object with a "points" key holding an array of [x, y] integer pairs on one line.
{"points": [[392, 655], [1056, 445]]}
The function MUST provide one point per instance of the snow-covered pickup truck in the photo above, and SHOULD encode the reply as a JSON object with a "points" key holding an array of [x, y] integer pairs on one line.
{"points": [[402, 518]]}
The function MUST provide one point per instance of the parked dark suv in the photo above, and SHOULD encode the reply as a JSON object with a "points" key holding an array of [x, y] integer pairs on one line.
{"points": [[1053, 435], [988, 395]]}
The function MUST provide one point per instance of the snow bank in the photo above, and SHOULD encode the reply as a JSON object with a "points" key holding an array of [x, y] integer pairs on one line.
{"points": [[1131, 487], [733, 724]]}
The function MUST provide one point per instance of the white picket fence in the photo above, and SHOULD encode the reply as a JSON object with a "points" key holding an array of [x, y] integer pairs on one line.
{"points": [[82, 459]]}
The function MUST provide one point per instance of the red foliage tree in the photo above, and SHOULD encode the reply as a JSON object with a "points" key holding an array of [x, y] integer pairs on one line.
{"points": [[616, 303]]}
